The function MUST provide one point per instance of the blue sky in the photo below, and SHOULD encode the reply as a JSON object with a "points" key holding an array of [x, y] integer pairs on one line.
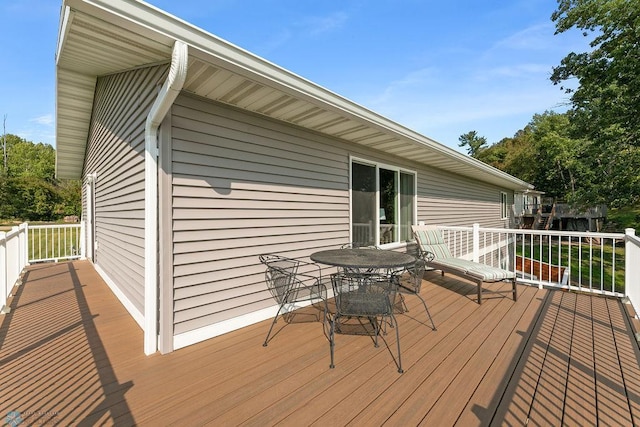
{"points": [[440, 68]]}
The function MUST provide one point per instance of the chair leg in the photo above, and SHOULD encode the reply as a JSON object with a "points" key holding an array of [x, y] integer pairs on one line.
{"points": [[433, 325], [404, 304], [376, 330], [515, 290], [395, 322], [332, 342], [275, 319], [480, 292]]}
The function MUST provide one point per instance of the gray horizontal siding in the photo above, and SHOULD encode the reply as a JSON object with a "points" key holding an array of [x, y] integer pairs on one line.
{"points": [[243, 185], [449, 199], [115, 151]]}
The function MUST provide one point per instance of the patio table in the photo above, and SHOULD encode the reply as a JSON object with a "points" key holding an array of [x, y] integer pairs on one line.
{"points": [[363, 259]]}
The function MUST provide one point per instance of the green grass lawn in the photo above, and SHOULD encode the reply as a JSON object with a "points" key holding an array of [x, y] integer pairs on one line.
{"points": [[619, 219]]}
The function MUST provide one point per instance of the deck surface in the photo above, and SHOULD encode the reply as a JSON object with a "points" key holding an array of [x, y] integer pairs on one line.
{"points": [[71, 354]]}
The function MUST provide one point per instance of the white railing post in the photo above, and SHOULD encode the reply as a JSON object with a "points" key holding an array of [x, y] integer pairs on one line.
{"points": [[4, 279], [476, 242], [83, 244], [24, 245], [632, 269]]}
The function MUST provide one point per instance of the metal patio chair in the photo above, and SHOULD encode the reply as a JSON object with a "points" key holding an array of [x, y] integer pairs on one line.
{"points": [[409, 282], [367, 299], [288, 286]]}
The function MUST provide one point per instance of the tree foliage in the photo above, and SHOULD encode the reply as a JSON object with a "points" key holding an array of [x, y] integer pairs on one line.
{"points": [[590, 154], [474, 143], [605, 104], [28, 188], [543, 154]]}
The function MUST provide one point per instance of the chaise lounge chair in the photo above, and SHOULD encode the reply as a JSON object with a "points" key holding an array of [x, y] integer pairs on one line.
{"points": [[436, 254]]}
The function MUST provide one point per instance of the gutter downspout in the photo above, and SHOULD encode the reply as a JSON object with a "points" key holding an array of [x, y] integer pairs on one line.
{"points": [[167, 95]]}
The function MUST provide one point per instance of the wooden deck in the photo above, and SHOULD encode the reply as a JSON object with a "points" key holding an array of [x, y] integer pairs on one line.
{"points": [[70, 354]]}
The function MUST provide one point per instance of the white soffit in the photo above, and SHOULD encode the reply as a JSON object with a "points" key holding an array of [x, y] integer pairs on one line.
{"points": [[104, 37]]}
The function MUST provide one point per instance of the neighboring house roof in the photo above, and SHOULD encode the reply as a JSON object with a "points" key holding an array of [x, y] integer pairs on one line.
{"points": [[101, 37]]}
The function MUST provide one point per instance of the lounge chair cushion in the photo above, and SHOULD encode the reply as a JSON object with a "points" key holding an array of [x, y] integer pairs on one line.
{"points": [[484, 272], [437, 255], [432, 242]]}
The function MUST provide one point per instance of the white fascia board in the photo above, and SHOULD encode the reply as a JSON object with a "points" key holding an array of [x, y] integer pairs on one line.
{"points": [[165, 27], [66, 18]]}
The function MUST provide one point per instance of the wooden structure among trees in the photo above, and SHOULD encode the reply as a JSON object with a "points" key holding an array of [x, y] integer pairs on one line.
{"points": [[71, 354], [552, 215]]}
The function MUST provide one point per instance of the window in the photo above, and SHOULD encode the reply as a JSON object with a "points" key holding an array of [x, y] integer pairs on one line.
{"points": [[382, 203], [504, 212]]}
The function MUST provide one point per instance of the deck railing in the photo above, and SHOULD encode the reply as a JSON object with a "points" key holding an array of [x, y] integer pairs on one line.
{"points": [[27, 244], [12, 260], [601, 263], [54, 242]]}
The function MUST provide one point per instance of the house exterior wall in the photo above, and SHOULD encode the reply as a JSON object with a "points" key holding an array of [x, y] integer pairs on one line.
{"points": [[243, 185], [115, 154], [448, 199]]}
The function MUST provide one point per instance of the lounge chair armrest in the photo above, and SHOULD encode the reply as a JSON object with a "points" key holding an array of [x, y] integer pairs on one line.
{"points": [[427, 256]]}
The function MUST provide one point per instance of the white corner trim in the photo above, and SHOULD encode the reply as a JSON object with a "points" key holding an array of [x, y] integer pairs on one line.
{"points": [[167, 95]]}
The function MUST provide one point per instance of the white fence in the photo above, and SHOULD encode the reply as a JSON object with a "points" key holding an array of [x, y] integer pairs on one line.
{"points": [[602, 263], [27, 244], [54, 242], [13, 258]]}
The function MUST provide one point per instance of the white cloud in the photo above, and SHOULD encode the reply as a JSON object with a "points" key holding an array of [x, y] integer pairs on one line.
{"points": [[536, 37], [46, 120], [514, 71], [409, 83], [275, 41], [320, 25]]}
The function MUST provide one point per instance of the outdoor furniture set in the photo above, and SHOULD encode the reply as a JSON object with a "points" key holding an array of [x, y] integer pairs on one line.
{"points": [[367, 285]]}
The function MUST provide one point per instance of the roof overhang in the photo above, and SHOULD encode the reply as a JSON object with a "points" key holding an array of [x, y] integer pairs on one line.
{"points": [[102, 37]]}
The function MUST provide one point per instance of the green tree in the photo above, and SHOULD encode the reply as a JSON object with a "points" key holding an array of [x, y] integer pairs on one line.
{"points": [[474, 143], [606, 102], [543, 154], [26, 159], [561, 170], [70, 198], [28, 188]]}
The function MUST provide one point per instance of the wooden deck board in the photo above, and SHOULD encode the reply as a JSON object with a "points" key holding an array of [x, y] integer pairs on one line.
{"points": [[70, 354], [579, 403], [456, 397], [628, 353], [481, 407], [612, 404], [550, 391], [521, 388]]}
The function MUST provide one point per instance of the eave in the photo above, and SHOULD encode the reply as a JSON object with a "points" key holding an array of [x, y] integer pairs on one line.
{"points": [[104, 37]]}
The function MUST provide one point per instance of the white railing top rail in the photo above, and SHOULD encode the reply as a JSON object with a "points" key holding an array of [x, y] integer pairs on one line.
{"points": [[585, 261], [555, 233]]}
